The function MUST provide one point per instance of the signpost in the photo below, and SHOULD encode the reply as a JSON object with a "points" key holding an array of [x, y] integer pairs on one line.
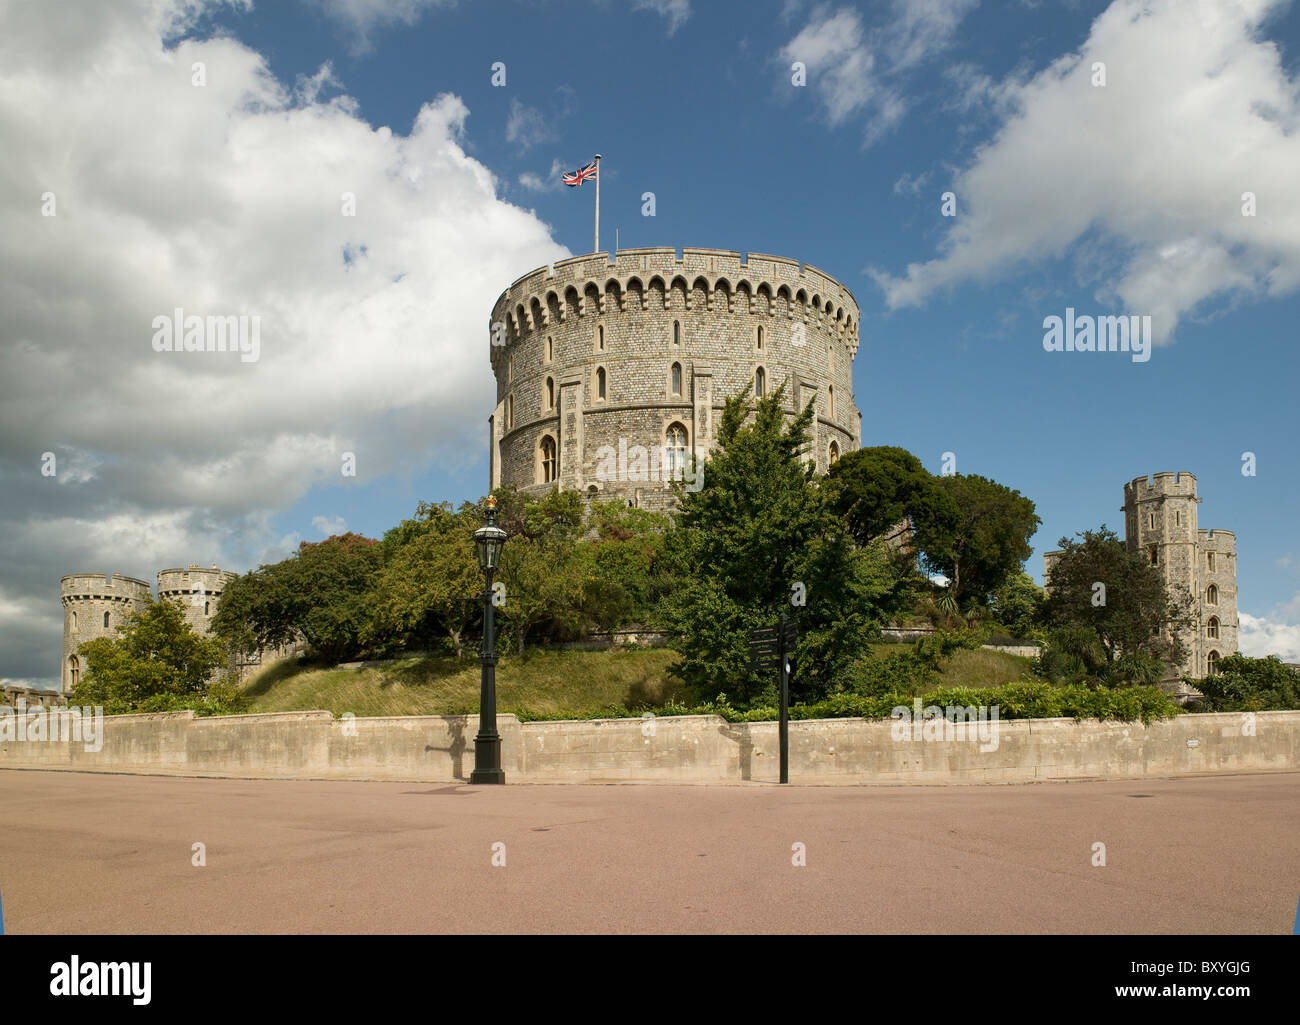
{"points": [[772, 647]]}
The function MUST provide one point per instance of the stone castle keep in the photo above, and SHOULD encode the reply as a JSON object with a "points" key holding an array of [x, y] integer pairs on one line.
{"points": [[610, 372], [95, 606], [1160, 523]]}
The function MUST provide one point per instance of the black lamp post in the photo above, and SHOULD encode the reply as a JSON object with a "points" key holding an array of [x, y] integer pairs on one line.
{"points": [[489, 539]]}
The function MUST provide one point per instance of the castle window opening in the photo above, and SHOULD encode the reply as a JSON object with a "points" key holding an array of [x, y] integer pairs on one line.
{"points": [[677, 379], [833, 454], [550, 348], [549, 462], [105, 620], [676, 451], [1212, 628], [1209, 561], [1151, 520], [600, 338], [1212, 664], [760, 337], [550, 393], [205, 608], [74, 669], [1178, 518], [677, 332], [830, 400], [600, 383], [74, 622], [1212, 595], [1155, 555], [760, 381], [510, 412]]}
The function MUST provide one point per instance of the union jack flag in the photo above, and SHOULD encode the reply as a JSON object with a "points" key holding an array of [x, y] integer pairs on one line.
{"points": [[572, 178]]}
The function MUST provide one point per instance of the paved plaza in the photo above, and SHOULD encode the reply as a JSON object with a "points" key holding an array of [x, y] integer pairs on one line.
{"points": [[83, 853]]}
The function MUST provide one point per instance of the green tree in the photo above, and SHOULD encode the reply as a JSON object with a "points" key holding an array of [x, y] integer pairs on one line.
{"points": [[1017, 605], [320, 594], [545, 572], [980, 539], [877, 488], [761, 532], [428, 581], [156, 661], [1112, 608], [1245, 684]]}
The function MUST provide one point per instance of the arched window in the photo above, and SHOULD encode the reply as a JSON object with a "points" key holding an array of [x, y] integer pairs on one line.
{"points": [[600, 382], [205, 608], [676, 379], [74, 669], [105, 620], [1209, 561], [1212, 595], [74, 622], [1212, 628], [549, 463], [833, 453], [760, 337], [550, 393], [1212, 664], [760, 383], [677, 332], [830, 399], [675, 451], [550, 348]]}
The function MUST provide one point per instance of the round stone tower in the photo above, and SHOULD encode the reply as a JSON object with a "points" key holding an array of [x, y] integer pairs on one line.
{"points": [[610, 373], [198, 589], [95, 606]]}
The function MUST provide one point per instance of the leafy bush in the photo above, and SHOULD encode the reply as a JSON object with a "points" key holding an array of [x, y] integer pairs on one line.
{"points": [[1245, 684]]}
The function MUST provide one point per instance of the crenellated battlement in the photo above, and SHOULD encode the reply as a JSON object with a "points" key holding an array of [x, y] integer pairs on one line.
{"points": [[644, 279]]}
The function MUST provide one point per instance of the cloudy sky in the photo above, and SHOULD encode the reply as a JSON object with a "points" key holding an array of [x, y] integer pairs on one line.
{"points": [[200, 154]]}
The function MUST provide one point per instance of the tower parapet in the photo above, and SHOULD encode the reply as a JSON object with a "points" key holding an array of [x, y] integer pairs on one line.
{"points": [[198, 589]]}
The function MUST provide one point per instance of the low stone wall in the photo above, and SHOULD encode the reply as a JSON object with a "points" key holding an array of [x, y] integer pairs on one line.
{"points": [[685, 749]]}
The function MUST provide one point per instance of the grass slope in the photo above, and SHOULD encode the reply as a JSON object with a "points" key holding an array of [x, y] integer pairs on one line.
{"points": [[543, 683], [580, 684]]}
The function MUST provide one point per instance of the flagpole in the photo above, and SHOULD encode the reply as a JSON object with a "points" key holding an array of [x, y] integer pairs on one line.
{"points": [[596, 249]]}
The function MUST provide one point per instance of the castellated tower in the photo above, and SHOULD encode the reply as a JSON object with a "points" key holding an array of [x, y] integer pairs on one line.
{"points": [[197, 589], [95, 606], [611, 372], [1160, 523]]}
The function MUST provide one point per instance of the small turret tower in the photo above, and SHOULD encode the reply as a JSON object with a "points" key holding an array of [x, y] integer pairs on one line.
{"points": [[95, 606]]}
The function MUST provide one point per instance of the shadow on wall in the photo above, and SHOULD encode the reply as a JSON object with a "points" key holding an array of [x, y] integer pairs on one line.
{"points": [[458, 746]]}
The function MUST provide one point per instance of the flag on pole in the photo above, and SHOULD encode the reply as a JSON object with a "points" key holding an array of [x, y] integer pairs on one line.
{"points": [[572, 178]]}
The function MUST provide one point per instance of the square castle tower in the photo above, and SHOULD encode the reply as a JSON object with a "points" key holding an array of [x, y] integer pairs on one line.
{"points": [[1160, 523]]}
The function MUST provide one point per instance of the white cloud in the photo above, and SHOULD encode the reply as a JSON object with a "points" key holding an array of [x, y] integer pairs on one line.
{"points": [[860, 70], [222, 199], [1197, 109], [675, 11], [329, 526], [1276, 633], [363, 17], [550, 182], [526, 126]]}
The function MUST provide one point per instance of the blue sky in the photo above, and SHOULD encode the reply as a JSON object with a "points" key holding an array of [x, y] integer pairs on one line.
{"points": [[1122, 198]]}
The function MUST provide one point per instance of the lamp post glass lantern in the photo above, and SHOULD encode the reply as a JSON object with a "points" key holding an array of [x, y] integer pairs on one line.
{"points": [[489, 539]]}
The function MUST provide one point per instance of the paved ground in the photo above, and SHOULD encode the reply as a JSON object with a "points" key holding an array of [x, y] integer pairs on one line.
{"points": [[99, 853]]}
